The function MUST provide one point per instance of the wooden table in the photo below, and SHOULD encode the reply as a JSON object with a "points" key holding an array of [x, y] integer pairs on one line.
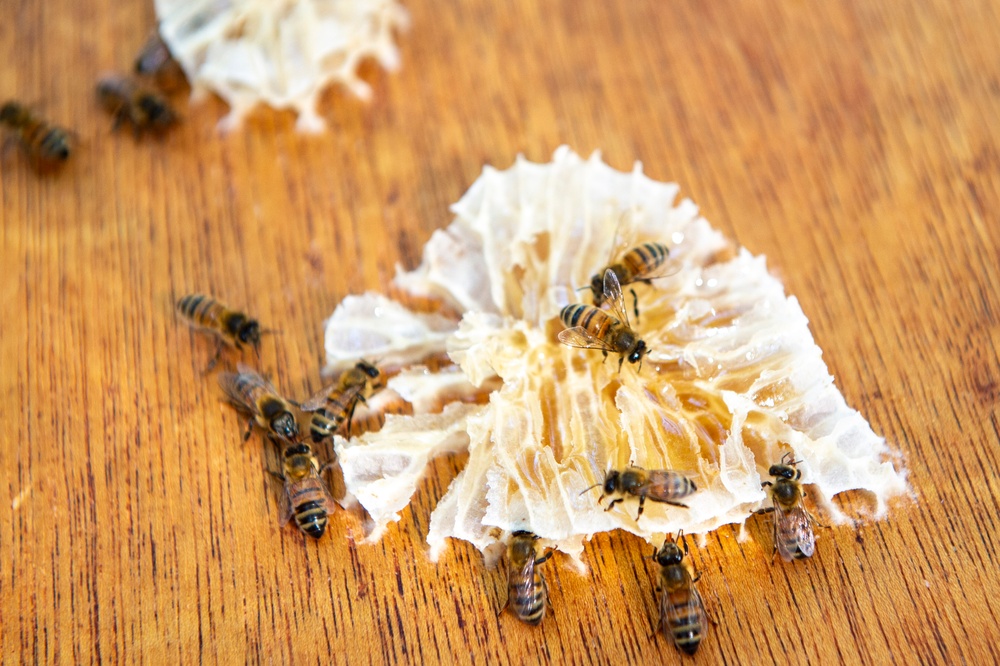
{"points": [[855, 144]]}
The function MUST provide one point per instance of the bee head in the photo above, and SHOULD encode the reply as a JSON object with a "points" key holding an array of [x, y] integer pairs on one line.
{"points": [[10, 111], [611, 482], [669, 553], [285, 425], [784, 472], [597, 287], [249, 332], [637, 353], [156, 110]]}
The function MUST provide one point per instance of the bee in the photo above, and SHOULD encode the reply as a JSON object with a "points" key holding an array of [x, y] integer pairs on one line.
{"points": [[657, 485], [129, 101], [527, 593], [155, 61], [682, 613], [639, 264], [793, 532], [251, 393], [334, 405], [47, 146], [590, 327], [306, 496], [228, 326]]}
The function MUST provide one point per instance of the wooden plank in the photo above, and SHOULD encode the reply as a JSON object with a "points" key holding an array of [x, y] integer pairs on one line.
{"points": [[854, 144]]}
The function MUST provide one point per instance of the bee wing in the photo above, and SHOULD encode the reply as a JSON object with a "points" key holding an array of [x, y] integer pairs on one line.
{"points": [[619, 242], [667, 485], [230, 383], [525, 579], [613, 296], [692, 610], [579, 337], [793, 532], [317, 400]]}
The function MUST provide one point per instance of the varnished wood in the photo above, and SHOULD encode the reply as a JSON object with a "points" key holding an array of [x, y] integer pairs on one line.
{"points": [[855, 144]]}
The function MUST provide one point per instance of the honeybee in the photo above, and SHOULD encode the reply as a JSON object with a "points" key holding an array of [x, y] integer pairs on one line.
{"points": [[47, 146], [793, 532], [155, 61], [251, 393], [129, 101], [590, 327], [657, 485], [527, 593], [228, 326], [334, 405], [306, 496], [682, 613], [639, 264]]}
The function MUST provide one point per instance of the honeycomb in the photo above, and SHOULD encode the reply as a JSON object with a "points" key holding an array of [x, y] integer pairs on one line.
{"points": [[733, 381]]}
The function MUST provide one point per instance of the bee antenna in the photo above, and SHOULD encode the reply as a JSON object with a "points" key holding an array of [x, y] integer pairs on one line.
{"points": [[592, 487], [581, 288]]}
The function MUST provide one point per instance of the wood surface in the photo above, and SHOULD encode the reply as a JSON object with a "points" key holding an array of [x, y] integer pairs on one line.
{"points": [[853, 143]]}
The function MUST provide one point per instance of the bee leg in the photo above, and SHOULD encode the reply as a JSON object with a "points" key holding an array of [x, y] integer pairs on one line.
{"points": [[765, 484], [246, 435], [769, 509], [215, 359], [329, 464], [621, 359], [642, 502], [544, 558], [635, 305], [683, 506], [605, 355], [612, 504]]}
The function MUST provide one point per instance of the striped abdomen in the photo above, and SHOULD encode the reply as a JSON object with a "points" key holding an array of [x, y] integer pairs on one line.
{"points": [[528, 597], [643, 260], [204, 311], [667, 485], [594, 320], [681, 610], [309, 500], [339, 404]]}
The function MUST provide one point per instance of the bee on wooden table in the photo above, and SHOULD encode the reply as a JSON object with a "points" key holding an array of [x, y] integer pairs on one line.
{"points": [[46, 145], [657, 485], [305, 496], [640, 264], [682, 613], [527, 593], [251, 393], [590, 327], [155, 61], [230, 327], [335, 404], [793, 533], [127, 100]]}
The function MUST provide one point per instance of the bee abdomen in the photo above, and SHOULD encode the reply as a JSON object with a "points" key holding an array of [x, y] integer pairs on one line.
{"points": [[529, 605], [200, 309], [311, 518], [584, 316], [645, 258], [686, 624], [322, 425]]}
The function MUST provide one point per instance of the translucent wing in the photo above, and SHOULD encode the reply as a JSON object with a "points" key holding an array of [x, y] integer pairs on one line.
{"points": [[667, 485], [682, 607], [317, 400], [523, 580], [793, 533], [613, 296], [233, 385], [579, 337]]}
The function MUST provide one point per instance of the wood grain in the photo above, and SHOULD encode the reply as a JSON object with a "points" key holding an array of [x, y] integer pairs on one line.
{"points": [[855, 144]]}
